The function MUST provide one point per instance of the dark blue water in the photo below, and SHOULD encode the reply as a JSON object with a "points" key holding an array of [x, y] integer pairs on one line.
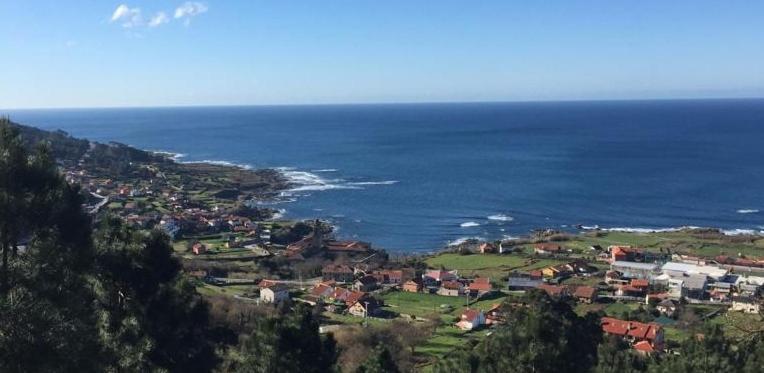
{"points": [[414, 177]]}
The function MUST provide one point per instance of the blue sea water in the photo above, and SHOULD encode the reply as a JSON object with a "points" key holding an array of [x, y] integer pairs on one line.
{"points": [[416, 176]]}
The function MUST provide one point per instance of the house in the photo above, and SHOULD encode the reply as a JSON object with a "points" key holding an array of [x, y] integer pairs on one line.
{"points": [[694, 286], [549, 248], [348, 246], [746, 304], [522, 281], [337, 272], [361, 304], [366, 283], [585, 294], [394, 277], [480, 287], [624, 254], [451, 289], [644, 348], [635, 288], [675, 269], [556, 271], [667, 307], [274, 293], [322, 291], [633, 331], [412, 286], [487, 248], [432, 278], [471, 319], [631, 270], [199, 248], [495, 315], [555, 291]]}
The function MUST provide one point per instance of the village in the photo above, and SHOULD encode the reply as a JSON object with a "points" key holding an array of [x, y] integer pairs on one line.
{"points": [[653, 289]]}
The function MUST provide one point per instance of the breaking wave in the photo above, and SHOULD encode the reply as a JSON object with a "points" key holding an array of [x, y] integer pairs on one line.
{"points": [[469, 224], [748, 211], [500, 217]]}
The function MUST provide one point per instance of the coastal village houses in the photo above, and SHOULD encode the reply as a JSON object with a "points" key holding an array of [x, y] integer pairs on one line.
{"points": [[471, 319]]}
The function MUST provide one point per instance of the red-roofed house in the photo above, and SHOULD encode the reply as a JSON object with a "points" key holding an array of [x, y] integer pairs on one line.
{"points": [[585, 294], [554, 290], [480, 286], [623, 253], [471, 319], [634, 331], [451, 289], [436, 277]]}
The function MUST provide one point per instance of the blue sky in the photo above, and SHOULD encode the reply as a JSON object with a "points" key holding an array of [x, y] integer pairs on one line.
{"points": [[94, 53]]}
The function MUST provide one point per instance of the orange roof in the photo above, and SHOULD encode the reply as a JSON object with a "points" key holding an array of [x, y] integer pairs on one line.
{"points": [[321, 290], [481, 284], [644, 346], [552, 290], [354, 297], [640, 283], [585, 292], [470, 314], [634, 329], [453, 285]]}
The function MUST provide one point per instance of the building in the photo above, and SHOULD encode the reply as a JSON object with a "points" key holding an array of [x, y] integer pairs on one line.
{"points": [[634, 332], [522, 281], [667, 307], [412, 286], [274, 293], [363, 306], [487, 248], [471, 319], [635, 270], [585, 294], [337, 272], [624, 254], [556, 271], [746, 304], [348, 246], [675, 269], [390, 277], [198, 248], [431, 278], [366, 283], [480, 287], [451, 289], [555, 291], [549, 248]]}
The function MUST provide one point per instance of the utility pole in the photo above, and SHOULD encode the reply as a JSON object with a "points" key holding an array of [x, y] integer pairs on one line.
{"points": [[366, 314]]}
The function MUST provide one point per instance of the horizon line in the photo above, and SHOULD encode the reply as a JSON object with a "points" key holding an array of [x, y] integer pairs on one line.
{"points": [[380, 103]]}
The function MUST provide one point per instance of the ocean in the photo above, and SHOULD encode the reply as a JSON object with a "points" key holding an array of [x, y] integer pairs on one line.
{"points": [[414, 177]]}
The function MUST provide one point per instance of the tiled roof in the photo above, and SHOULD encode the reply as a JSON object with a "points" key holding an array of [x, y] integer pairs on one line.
{"points": [[634, 329]]}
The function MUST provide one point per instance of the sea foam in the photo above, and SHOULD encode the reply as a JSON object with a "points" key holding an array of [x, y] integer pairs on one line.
{"points": [[469, 224], [500, 217], [748, 211]]}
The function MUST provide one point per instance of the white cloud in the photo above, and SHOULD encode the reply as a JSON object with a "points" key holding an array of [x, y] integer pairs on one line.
{"points": [[190, 9], [128, 17], [158, 19]]}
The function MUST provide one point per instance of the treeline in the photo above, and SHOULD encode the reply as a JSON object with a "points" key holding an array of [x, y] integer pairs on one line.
{"points": [[62, 146]]}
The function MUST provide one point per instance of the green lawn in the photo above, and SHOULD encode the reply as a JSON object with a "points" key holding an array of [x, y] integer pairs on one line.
{"points": [[487, 265], [677, 241], [422, 305]]}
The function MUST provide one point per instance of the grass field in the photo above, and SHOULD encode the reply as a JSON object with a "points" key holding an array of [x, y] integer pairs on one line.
{"points": [[487, 265], [676, 241], [423, 305]]}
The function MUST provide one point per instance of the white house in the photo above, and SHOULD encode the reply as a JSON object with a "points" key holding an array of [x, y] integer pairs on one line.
{"points": [[274, 293], [471, 319], [746, 304]]}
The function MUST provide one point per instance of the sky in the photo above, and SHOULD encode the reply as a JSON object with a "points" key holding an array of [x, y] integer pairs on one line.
{"points": [[102, 53]]}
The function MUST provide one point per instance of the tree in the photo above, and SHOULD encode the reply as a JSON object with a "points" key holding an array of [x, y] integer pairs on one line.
{"points": [[290, 343], [547, 336], [380, 361], [147, 304]]}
